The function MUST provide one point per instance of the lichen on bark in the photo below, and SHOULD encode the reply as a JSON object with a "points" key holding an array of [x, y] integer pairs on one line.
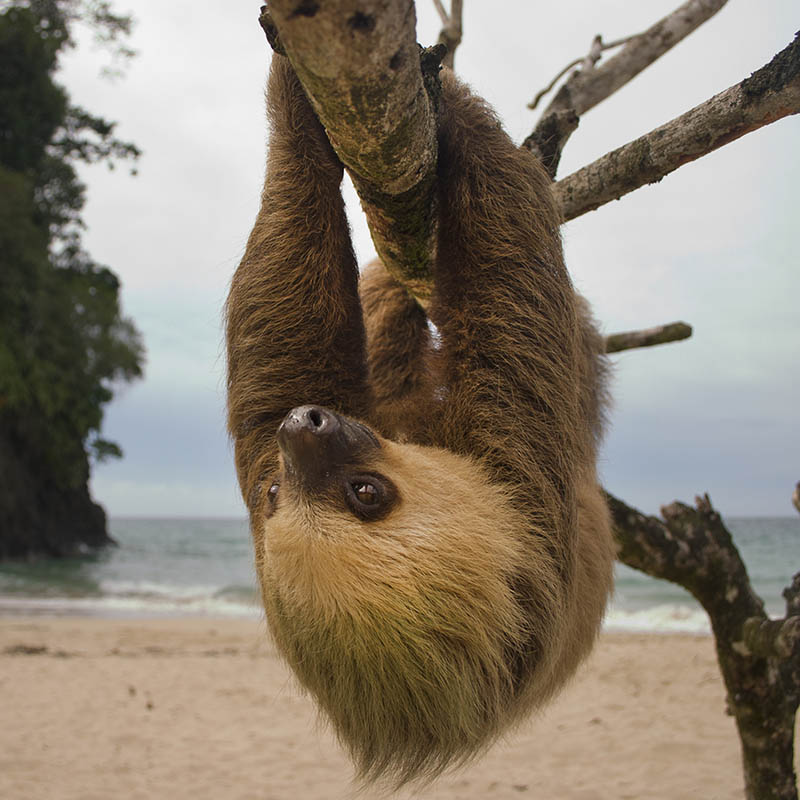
{"points": [[360, 65]]}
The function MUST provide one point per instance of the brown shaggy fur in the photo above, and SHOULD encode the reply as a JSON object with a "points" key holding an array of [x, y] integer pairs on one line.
{"points": [[426, 633]]}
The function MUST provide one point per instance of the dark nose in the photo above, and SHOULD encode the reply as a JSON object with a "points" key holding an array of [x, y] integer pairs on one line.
{"points": [[312, 441], [308, 420]]}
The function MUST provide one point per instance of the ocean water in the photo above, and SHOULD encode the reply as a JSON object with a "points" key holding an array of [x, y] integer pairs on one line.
{"points": [[175, 567]]}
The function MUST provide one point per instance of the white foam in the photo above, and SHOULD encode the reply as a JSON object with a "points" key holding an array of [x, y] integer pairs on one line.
{"points": [[666, 618], [131, 606], [145, 589]]}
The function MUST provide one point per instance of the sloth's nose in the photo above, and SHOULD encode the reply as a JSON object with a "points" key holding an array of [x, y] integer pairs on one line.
{"points": [[312, 443], [313, 420]]}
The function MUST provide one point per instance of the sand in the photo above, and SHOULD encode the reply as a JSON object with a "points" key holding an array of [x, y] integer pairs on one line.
{"points": [[203, 708]]}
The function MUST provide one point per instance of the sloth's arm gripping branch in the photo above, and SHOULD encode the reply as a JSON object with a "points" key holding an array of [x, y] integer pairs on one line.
{"points": [[294, 328], [506, 311]]}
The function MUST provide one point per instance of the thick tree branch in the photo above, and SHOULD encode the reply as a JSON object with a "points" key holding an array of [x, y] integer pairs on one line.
{"points": [[662, 334], [767, 95], [759, 658], [588, 86], [360, 65]]}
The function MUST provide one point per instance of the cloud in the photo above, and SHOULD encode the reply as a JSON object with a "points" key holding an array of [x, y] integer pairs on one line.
{"points": [[713, 244]]}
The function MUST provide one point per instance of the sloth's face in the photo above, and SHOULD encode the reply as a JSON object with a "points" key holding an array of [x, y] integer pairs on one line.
{"points": [[329, 462], [388, 574], [350, 511]]}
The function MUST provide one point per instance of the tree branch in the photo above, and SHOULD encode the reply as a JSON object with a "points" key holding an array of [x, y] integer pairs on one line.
{"points": [[693, 548], [598, 41], [452, 29], [587, 87], [359, 63], [662, 334], [767, 95], [443, 15], [759, 658]]}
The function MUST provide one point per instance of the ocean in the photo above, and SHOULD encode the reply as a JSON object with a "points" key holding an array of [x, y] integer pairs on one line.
{"points": [[177, 567]]}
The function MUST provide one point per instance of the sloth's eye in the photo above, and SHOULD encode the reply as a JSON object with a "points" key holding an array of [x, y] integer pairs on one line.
{"points": [[366, 493], [272, 498], [370, 497]]}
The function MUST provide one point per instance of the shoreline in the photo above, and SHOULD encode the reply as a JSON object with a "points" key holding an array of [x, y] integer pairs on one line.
{"points": [[202, 707], [664, 619]]}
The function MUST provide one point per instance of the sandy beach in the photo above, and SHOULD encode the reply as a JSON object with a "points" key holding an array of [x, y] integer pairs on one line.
{"points": [[203, 708]]}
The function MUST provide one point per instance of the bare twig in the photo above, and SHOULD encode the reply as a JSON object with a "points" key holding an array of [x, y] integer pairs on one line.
{"points": [[443, 15], [359, 63], [588, 61], [587, 87], [662, 334], [767, 95], [547, 89], [452, 28]]}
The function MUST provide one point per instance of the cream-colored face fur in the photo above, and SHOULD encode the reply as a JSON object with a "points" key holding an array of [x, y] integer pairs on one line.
{"points": [[448, 530], [405, 622]]}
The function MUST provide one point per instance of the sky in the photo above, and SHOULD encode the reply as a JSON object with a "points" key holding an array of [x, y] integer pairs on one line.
{"points": [[714, 244]]}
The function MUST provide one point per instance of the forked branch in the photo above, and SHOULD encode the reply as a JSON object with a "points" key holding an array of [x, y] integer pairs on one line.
{"points": [[588, 61], [588, 86], [767, 95]]}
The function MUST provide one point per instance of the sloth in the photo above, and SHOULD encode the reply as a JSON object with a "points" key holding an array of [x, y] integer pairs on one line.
{"points": [[433, 549]]}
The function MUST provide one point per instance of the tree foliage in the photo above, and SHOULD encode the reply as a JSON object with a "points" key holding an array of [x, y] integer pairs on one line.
{"points": [[64, 343]]}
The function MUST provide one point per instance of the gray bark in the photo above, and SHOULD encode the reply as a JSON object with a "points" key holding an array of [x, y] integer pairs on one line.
{"points": [[360, 65], [588, 86], [663, 334], [767, 95]]}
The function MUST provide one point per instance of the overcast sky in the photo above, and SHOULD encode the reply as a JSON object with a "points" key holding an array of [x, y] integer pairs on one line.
{"points": [[714, 244]]}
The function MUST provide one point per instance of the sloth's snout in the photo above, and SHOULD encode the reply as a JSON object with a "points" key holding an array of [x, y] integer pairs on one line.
{"points": [[316, 442], [311, 441]]}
